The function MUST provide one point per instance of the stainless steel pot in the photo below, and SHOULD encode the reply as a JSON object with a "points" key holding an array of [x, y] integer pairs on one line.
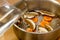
{"points": [[49, 5]]}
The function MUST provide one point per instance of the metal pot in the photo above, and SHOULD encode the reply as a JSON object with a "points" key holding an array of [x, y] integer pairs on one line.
{"points": [[49, 5]]}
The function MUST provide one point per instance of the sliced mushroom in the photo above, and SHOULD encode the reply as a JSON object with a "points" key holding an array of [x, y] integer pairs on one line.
{"points": [[45, 13], [42, 30], [30, 14], [49, 28], [31, 23]]}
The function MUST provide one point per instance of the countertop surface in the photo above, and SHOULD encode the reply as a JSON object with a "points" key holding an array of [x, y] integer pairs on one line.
{"points": [[9, 34]]}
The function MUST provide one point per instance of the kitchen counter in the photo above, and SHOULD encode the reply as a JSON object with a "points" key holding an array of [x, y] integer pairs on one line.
{"points": [[9, 34]]}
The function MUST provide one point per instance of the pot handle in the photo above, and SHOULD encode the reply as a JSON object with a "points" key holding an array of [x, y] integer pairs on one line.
{"points": [[7, 25], [8, 19]]}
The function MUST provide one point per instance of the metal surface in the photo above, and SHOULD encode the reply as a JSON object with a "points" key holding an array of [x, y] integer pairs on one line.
{"points": [[49, 5], [8, 15]]}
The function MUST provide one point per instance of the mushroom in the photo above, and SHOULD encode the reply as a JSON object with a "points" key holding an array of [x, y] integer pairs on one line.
{"points": [[31, 23], [42, 30], [45, 13], [30, 14], [49, 28]]}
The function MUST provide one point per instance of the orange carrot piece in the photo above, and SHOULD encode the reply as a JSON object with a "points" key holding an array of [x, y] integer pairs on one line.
{"points": [[35, 19], [47, 18], [43, 23], [29, 30]]}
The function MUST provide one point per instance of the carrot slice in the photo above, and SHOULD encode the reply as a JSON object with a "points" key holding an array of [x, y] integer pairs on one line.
{"points": [[47, 18], [29, 30], [43, 23], [35, 19]]}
